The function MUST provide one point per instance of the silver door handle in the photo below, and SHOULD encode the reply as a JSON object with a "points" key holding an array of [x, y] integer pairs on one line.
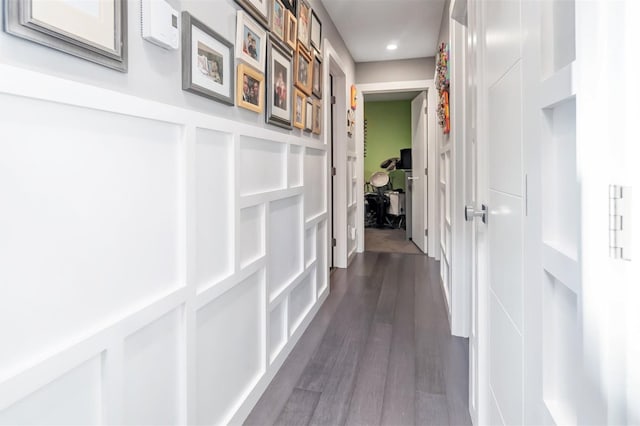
{"points": [[413, 178], [470, 213]]}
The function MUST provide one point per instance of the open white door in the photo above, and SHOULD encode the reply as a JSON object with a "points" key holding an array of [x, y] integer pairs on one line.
{"points": [[418, 180]]}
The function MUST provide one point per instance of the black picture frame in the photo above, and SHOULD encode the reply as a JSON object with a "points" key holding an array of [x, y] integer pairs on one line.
{"points": [[316, 84], [263, 19], [276, 113], [216, 84], [292, 5], [19, 22], [315, 32]]}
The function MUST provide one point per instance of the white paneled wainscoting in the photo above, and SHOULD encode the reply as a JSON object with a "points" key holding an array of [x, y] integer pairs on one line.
{"points": [[157, 264]]}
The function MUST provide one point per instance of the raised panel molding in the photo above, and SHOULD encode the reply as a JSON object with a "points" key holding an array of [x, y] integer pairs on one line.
{"points": [[205, 201]]}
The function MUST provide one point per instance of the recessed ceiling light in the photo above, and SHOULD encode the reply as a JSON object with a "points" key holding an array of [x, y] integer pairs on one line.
{"points": [[392, 46]]}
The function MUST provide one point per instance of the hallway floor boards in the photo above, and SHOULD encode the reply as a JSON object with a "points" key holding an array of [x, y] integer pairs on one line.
{"points": [[378, 352]]}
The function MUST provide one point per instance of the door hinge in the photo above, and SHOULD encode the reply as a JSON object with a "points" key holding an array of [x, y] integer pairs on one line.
{"points": [[426, 111], [425, 171], [333, 171], [333, 100], [426, 232], [333, 242], [620, 222]]}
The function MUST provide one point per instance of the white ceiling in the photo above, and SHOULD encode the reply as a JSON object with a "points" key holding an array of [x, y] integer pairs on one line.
{"points": [[368, 26]]}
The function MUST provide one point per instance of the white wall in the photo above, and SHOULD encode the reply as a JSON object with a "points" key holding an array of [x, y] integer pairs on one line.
{"points": [[161, 252], [400, 70]]}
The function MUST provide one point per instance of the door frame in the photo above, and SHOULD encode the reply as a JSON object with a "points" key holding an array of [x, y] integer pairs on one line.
{"points": [[336, 202], [431, 211]]}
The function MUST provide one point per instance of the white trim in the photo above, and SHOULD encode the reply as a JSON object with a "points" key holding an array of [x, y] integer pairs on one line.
{"points": [[431, 211]]}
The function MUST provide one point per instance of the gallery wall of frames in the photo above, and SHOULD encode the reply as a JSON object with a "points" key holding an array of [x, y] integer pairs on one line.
{"points": [[158, 262]]}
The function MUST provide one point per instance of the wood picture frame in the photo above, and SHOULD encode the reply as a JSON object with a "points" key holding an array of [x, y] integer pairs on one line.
{"points": [[308, 116], [251, 41], [304, 23], [258, 9], [316, 82], [278, 20], [207, 61], [250, 88], [299, 108], [316, 32], [99, 37], [279, 77], [291, 30], [317, 117], [303, 70]]}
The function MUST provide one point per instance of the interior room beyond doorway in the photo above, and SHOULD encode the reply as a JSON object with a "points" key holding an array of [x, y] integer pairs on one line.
{"points": [[387, 142]]}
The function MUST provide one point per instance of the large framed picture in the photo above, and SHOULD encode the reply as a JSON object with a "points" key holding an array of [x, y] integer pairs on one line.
{"points": [[304, 18], [291, 30], [250, 92], [316, 85], [95, 30], [299, 108], [258, 9], [207, 61], [251, 41], [316, 31], [279, 77], [317, 117], [278, 20], [303, 70]]}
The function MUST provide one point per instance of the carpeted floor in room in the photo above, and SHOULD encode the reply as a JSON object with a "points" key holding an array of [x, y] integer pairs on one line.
{"points": [[388, 241]]}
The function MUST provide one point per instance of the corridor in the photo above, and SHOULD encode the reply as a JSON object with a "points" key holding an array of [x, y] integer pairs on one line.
{"points": [[379, 351]]}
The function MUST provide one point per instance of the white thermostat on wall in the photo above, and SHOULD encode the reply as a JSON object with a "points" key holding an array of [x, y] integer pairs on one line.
{"points": [[160, 23]]}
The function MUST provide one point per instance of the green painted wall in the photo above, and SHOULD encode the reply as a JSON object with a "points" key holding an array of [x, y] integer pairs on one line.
{"points": [[388, 131]]}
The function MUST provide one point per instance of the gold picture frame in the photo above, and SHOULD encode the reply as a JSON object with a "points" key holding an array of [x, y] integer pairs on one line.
{"points": [[303, 70], [299, 108], [291, 30], [250, 88], [317, 117]]}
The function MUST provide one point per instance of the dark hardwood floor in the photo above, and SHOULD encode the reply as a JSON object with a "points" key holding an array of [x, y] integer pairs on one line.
{"points": [[379, 352]]}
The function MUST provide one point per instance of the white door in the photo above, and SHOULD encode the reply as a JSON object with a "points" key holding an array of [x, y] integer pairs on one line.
{"points": [[419, 179], [608, 153], [496, 346]]}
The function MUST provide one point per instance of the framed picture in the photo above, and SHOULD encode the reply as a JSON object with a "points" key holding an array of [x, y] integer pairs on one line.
{"points": [[95, 30], [316, 31], [291, 30], [251, 41], [299, 108], [258, 9], [304, 17], [278, 19], [303, 70], [279, 77], [207, 61], [292, 5], [308, 116], [316, 86], [250, 92], [317, 117]]}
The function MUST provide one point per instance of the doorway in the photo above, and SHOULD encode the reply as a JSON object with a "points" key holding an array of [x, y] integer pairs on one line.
{"points": [[388, 177], [373, 91]]}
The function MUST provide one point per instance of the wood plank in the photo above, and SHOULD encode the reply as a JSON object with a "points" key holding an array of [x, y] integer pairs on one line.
{"points": [[399, 399], [432, 410], [353, 309], [431, 326], [368, 394], [299, 408]]}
